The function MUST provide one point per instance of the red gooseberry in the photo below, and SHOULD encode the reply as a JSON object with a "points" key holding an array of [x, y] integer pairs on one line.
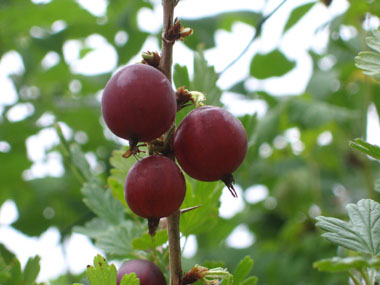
{"points": [[210, 144], [148, 272], [154, 188], [138, 103]]}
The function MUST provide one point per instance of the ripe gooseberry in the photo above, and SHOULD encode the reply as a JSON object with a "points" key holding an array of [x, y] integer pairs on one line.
{"points": [[154, 188], [210, 144], [148, 272], [138, 104]]}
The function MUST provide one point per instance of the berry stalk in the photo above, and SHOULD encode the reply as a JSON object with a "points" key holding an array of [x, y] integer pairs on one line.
{"points": [[166, 67]]}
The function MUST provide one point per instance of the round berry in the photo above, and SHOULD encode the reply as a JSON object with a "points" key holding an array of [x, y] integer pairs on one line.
{"points": [[155, 188], [210, 144], [148, 272], [138, 103]]}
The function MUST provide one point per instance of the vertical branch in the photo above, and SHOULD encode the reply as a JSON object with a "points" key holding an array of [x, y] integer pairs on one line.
{"points": [[173, 220], [174, 249], [167, 45]]}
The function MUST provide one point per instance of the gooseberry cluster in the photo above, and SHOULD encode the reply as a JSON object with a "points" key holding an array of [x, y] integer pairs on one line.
{"points": [[139, 105]]}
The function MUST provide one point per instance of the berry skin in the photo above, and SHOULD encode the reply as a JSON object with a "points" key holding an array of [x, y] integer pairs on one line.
{"points": [[154, 188], [138, 103], [148, 272], [210, 144]]}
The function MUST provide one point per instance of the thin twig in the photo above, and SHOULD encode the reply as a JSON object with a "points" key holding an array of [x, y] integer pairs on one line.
{"points": [[258, 29]]}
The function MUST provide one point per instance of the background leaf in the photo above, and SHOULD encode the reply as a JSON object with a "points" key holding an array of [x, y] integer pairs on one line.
{"points": [[31, 270], [242, 270], [297, 14], [271, 64], [102, 203], [337, 264]]}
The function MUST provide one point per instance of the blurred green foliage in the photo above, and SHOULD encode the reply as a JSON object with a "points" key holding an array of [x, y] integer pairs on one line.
{"points": [[305, 176]]}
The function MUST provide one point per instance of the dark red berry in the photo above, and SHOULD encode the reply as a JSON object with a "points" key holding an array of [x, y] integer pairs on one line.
{"points": [[138, 103], [210, 144], [154, 188], [148, 272]]}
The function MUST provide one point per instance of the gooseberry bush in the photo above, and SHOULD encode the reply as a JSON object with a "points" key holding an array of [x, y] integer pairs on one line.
{"points": [[209, 144], [139, 105], [185, 149]]}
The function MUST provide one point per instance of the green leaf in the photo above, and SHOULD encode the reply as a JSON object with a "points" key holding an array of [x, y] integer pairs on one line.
{"points": [[206, 194], [313, 113], [119, 171], [130, 279], [102, 203], [101, 273], [15, 272], [94, 228], [361, 233], [297, 14], [250, 281], [80, 161], [117, 240], [367, 148], [337, 264], [269, 126], [374, 42], [31, 270], [146, 241], [270, 64], [181, 76], [205, 79], [242, 270], [370, 61]]}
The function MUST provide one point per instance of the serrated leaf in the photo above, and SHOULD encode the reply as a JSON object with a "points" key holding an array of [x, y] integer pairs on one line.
{"points": [[102, 203], [80, 161], [337, 264], [242, 270], [146, 241], [130, 279], [297, 14], [118, 239], [204, 80], [117, 189], [31, 270], [94, 228], [101, 273], [374, 42], [361, 233], [206, 194], [270, 64], [119, 171], [370, 61]]}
